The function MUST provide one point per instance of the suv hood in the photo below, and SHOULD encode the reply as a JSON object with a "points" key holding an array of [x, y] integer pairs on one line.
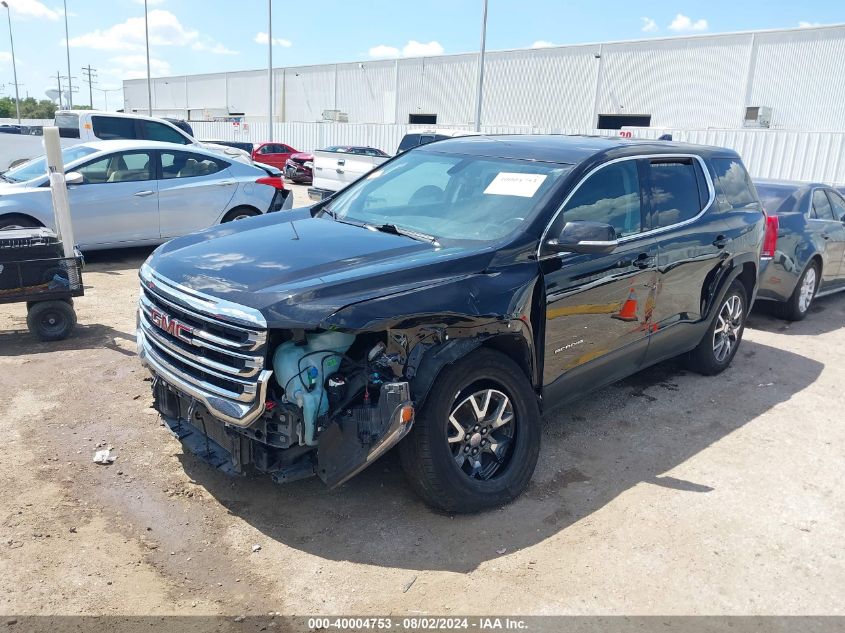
{"points": [[299, 272]]}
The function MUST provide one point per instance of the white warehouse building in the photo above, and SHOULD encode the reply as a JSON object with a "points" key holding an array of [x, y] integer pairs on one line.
{"points": [[791, 79]]}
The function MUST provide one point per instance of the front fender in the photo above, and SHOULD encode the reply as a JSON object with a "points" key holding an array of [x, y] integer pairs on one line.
{"points": [[430, 327]]}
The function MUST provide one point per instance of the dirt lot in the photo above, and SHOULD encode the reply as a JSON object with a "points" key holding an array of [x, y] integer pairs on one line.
{"points": [[667, 493]]}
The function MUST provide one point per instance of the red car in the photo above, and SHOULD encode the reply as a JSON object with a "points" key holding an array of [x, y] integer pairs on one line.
{"points": [[275, 154], [299, 167]]}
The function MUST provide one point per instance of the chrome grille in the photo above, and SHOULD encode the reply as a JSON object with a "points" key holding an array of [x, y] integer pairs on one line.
{"points": [[208, 348]]}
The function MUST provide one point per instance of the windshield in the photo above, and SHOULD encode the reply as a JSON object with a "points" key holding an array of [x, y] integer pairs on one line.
{"points": [[38, 166], [449, 196]]}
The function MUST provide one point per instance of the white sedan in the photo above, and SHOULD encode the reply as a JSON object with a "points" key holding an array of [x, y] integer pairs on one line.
{"points": [[130, 193]]}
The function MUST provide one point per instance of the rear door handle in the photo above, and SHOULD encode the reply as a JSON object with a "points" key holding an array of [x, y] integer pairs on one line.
{"points": [[826, 236], [643, 261], [143, 194], [721, 242]]}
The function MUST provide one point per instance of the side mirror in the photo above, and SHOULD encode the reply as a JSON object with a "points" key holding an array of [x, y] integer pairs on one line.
{"points": [[585, 237], [74, 178]]}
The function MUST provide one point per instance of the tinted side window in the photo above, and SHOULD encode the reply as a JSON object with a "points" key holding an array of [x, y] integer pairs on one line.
{"points": [[188, 165], [112, 127], [821, 207], [734, 181], [838, 204], [68, 125], [610, 196], [409, 141], [674, 191], [160, 132]]}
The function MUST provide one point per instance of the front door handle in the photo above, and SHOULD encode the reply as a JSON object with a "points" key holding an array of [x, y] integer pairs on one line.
{"points": [[340, 171], [825, 236], [721, 242], [643, 261], [225, 183], [144, 194]]}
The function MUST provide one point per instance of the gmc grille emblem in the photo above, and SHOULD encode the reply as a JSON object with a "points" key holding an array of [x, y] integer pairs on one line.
{"points": [[172, 326]]}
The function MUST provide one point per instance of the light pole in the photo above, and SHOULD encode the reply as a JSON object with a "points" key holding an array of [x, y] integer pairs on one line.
{"points": [[106, 92], [270, 65], [147, 39], [67, 47], [14, 66], [481, 66]]}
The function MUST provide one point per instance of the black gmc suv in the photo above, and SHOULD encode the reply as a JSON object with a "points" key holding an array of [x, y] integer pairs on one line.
{"points": [[443, 301]]}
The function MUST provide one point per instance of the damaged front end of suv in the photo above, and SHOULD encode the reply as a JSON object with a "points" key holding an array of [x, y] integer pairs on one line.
{"points": [[244, 394]]}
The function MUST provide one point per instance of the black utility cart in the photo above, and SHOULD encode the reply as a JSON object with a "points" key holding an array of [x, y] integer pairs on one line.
{"points": [[33, 269]]}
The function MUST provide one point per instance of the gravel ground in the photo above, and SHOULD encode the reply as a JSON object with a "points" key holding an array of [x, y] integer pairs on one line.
{"points": [[666, 493]]}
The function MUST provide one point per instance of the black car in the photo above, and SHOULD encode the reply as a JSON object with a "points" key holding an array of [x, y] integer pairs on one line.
{"points": [[445, 300], [805, 244]]}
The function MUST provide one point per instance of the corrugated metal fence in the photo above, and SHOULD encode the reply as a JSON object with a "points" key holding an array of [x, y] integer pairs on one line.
{"points": [[818, 156]]}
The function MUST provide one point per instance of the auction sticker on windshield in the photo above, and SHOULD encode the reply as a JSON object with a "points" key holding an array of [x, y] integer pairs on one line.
{"points": [[515, 184]]}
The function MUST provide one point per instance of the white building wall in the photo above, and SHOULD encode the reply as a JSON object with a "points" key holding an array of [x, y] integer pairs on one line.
{"points": [[692, 82]]}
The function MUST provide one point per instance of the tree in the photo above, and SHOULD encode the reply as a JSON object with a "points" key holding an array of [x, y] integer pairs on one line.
{"points": [[30, 108]]}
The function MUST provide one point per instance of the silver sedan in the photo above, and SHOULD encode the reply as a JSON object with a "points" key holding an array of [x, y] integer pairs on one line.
{"points": [[129, 193]]}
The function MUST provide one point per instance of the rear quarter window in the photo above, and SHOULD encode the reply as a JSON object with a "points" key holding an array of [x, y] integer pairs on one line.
{"points": [[734, 182], [111, 127]]}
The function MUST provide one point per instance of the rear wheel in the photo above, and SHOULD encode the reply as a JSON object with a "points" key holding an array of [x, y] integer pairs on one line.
{"points": [[718, 346], [15, 221], [476, 441], [798, 305], [240, 213], [51, 320]]}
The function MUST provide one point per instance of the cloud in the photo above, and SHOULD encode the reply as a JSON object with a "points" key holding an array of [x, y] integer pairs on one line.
{"points": [[420, 49], [32, 9], [5, 58], [135, 67], [649, 25], [165, 30], [263, 38], [382, 50], [542, 44], [808, 25], [213, 47], [683, 23], [412, 49]]}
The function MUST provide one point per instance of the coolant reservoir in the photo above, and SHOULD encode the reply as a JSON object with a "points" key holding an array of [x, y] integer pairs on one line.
{"points": [[301, 371]]}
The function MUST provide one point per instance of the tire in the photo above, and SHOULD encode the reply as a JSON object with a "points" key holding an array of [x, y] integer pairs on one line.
{"points": [[15, 221], [430, 460], [239, 213], [51, 320], [709, 357], [798, 305]]}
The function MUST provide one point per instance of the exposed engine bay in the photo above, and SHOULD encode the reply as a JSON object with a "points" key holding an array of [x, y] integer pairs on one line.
{"points": [[334, 406]]}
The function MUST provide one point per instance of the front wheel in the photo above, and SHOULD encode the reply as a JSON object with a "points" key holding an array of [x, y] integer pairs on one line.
{"points": [[476, 441], [718, 347]]}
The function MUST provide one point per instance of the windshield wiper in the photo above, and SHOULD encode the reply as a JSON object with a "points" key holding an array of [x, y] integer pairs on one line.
{"points": [[398, 230], [6, 178]]}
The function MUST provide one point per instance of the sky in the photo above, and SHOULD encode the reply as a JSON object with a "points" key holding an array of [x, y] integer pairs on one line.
{"points": [[204, 36]]}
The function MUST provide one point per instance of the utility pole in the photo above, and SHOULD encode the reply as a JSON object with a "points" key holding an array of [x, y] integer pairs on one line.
{"points": [[14, 65], [270, 66], [67, 47], [147, 40], [90, 79], [59, 86], [481, 66]]}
